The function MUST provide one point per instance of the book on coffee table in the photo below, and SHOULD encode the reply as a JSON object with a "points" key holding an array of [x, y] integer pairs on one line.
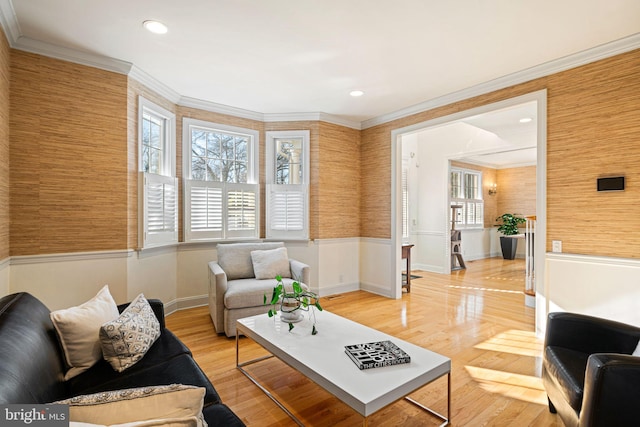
{"points": [[376, 354]]}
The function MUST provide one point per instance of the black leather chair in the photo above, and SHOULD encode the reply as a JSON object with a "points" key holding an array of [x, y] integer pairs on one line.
{"points": [[588, 371]]}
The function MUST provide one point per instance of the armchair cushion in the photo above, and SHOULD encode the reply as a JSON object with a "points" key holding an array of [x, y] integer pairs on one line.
{"points": [[235, 258], [244, 293], [567, 370], [271, 263]]}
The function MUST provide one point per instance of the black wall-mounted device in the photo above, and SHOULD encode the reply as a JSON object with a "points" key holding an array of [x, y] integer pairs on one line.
{"points": [[611, 184]]}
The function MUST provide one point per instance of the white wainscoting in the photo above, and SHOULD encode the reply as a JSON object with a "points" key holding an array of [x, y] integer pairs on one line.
{"points": [[177, 275], [338, 265], [376, 258], [427, 254], [65, 280], [596, 286]]}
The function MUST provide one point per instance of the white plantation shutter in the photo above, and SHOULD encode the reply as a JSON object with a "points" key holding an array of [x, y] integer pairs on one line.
{"points": [[242, 210], [204, 210], [286, 216], [160, 210], [287, 189], [211, 205]]}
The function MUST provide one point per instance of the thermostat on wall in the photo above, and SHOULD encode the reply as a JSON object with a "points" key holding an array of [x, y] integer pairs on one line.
{"points": [[611, 184]]}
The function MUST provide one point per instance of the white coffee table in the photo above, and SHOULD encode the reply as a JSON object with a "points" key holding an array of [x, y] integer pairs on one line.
{"points": [[322, 358]]}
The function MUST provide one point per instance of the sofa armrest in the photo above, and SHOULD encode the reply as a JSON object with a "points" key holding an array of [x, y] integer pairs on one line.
{"points": [[590, 334], [217, 289], [156, 305], [300, 271], [612, 387]]}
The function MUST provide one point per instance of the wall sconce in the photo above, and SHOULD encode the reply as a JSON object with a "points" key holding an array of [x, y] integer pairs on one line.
{"points": [[493, 189]]}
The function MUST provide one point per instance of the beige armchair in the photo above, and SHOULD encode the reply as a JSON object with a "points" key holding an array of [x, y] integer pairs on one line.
{"points": [[237, 289]]}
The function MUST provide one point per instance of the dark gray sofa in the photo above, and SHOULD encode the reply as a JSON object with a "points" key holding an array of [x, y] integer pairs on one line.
{"points": [[32, 363]]}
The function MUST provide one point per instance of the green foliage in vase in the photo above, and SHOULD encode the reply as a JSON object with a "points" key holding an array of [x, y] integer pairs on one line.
{"points": [[306, 300], [509, 226]]}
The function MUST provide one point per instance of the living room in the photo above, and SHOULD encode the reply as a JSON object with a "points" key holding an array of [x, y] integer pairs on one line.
{"points": [[69, 187]]}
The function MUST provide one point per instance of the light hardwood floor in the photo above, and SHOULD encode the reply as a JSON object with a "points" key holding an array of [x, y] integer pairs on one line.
{"points": [[476, 316]]}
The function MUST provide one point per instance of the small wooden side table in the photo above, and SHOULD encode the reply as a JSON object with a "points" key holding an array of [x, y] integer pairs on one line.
{"points": [[406, 254]]}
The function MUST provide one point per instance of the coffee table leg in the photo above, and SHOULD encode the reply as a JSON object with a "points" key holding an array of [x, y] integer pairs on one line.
{"points": [[446, 420], [240, 367]]}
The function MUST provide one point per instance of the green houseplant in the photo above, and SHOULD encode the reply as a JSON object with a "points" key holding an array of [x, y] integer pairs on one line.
{"points": [[293, 303], [509, 227]]}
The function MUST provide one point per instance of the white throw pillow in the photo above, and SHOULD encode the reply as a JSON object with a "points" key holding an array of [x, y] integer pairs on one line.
{"points": [[78, 330], [142, 406], [127, 339], [636, 352], [271, 263]]}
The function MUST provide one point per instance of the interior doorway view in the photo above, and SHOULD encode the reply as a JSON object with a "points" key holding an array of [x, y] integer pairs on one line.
{"points": [[487, 161]]}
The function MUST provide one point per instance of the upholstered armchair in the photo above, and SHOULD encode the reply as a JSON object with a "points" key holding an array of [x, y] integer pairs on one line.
{"points": [[243, 274], [589, 373]]}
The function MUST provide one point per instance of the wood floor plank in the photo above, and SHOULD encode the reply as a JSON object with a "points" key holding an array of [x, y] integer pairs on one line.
{"points": [[476, 316]]}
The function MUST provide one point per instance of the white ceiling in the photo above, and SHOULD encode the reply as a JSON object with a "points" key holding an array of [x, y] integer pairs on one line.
{"points": [[286, 56]]}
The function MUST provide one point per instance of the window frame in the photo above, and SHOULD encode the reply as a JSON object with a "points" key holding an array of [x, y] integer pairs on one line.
{"points": [[253, 173], [148, 183], [466, 202], [273, 189]]}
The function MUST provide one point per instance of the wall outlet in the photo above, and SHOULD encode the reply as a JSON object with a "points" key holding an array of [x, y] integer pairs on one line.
{"points": [[556, 246]]}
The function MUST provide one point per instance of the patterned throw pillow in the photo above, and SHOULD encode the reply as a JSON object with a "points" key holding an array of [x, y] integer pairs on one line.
{"points": [[174, 404], [127, 339]]}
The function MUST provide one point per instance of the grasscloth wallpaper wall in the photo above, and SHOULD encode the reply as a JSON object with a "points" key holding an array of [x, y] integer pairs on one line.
{"points": [[74, 155], [68, 157], [4, 146], [75, 160], [592, 130]]}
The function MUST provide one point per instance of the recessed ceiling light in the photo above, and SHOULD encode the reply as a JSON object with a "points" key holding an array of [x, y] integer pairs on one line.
{"points": [[155, 27], [525, 120], [356, 93]]}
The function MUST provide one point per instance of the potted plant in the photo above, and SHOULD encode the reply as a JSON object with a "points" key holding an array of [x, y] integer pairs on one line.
{"points": [[509, 227], [293, 303]]}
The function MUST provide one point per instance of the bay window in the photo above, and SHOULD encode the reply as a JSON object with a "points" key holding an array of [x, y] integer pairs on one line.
{"points": [[220, 167]]}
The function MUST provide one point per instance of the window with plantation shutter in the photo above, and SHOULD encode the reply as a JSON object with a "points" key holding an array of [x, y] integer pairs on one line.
{"points": [[160, 219], [158, 186], [287, 192], [221, 189], [466, 191]]}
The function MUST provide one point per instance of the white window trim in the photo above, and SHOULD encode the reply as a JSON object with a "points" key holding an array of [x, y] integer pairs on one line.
{"points": [[273, 188], [148, 239], [253, 174], [464, 201], [170, 134]]}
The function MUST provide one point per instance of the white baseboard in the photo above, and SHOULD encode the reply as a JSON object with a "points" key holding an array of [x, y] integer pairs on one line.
{"points": [[185, 303], [338, 289], [375, 289]]}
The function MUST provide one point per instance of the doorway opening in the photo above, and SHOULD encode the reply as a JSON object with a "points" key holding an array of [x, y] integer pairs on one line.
{"points": [[496, 157]]}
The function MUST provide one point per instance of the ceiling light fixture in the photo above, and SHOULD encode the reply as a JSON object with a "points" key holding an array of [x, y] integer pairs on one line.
{"points": [[155, 27], [356, 93], [526, 120]]}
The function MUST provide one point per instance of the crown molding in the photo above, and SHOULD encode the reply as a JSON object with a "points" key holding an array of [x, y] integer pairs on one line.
{"points": [[9, 22], [322, 117], [11, 27], [154, 84], [71, 55], [214, 107], [562, 64]]}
